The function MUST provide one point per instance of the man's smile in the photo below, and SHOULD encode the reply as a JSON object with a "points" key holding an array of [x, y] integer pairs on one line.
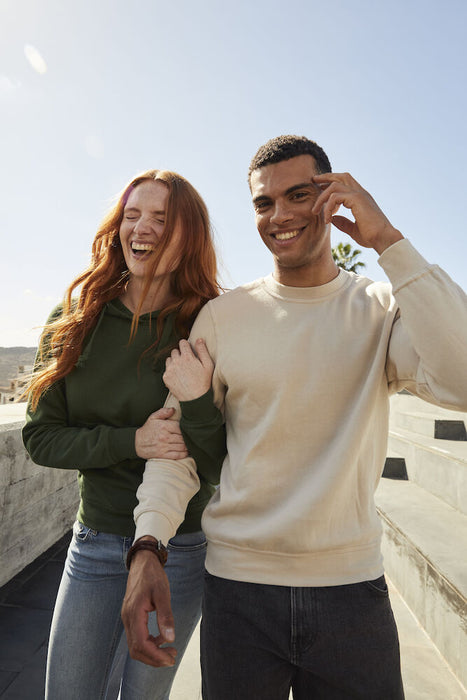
{"points": [[285, 235]]}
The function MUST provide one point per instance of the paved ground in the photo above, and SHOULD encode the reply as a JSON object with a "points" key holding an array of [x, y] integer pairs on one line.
{"points": [[26, 605]]}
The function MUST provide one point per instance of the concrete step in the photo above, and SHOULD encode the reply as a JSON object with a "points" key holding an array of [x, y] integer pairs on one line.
{"points": [[424, 546], [439, 466], [431, 425], [407, 403]]}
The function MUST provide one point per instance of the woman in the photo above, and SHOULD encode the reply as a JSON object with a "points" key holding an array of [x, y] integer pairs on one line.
{"points": [[99, 377]]}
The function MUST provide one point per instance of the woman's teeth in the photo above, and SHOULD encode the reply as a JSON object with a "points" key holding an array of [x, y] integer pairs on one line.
{"points": [[142, 246]]}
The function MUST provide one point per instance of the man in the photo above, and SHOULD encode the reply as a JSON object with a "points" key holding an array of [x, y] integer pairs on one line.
{"points": [[305, 361]]}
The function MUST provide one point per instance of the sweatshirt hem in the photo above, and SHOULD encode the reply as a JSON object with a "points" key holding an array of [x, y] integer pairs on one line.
{"points": [[334, 567]]}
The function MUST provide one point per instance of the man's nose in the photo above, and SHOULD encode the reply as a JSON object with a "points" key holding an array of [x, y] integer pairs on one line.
{"points": [[281, 213]]}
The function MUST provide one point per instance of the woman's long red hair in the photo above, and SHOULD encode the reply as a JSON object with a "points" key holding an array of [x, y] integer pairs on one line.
{"points": [[192, 283]]}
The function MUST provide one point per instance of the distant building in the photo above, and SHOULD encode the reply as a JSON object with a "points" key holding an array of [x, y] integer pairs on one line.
{"points": [[15, 393]]}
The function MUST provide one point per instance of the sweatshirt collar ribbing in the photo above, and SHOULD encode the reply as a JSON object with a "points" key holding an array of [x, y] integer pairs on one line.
{"points": [[307, 293]]}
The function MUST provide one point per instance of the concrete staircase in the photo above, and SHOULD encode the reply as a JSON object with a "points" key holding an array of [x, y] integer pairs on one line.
{"points": [[422, 500]]}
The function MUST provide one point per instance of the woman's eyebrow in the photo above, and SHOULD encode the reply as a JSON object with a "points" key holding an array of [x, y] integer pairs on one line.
{"points": [[157, 212]]}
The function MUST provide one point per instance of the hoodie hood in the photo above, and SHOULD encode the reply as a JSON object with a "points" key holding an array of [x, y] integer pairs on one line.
{"points": [[117, 309]]}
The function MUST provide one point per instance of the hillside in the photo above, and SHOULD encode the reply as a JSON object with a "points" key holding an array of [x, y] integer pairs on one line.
{"points": [[10, 359]]}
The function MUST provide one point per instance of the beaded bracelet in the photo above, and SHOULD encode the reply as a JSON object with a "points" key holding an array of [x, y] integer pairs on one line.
{"points": [[156, 548]]}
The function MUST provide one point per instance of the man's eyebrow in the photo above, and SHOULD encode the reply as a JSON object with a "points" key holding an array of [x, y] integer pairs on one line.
{"points": [[290, 190], [261, 198], [301, 186]]}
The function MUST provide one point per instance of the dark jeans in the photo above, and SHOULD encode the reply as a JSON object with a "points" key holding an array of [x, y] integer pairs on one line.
{"points": [[332, 643]]}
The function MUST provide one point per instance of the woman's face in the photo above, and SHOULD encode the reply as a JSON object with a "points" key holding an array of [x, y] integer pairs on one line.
{"points": [[142, 227]]}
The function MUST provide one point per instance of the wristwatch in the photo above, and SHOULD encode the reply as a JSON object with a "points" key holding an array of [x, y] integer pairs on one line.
{"points": [[154, 546]]}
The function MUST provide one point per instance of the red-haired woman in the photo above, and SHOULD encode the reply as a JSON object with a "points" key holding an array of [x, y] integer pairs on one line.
{"points": [[95, 405]]}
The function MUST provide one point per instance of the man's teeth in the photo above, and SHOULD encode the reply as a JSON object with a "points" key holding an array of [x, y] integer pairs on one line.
{"points": [[285, 236], [142, 246]]}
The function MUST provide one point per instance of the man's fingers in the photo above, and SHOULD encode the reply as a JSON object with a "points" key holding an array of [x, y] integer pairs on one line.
{"points": [[345, 225], [148, 590], [165, 622], [323, 178], [152, 653], [331, 206]]}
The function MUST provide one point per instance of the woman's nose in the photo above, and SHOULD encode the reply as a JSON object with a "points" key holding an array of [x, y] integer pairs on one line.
{"points": [[142, 226]]}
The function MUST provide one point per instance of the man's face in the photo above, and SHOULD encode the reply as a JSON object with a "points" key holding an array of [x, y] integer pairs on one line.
{"points": [[283, 197]]}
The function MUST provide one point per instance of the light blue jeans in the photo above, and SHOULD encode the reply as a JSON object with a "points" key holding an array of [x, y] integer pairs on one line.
{"points": [[87, 653]]}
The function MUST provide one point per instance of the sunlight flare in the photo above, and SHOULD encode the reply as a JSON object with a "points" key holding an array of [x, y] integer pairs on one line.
{"points": [[35, 59]]}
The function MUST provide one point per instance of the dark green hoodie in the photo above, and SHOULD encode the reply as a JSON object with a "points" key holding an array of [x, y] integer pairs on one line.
{"points": [[88, 420]]}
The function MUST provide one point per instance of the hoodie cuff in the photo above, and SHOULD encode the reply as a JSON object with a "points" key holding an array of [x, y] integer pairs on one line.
{"points": [[123, 443], [201, 410]]}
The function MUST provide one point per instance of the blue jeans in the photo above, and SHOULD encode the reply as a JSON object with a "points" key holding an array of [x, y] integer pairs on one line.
{"points": [[87, 630], [330, 643]]}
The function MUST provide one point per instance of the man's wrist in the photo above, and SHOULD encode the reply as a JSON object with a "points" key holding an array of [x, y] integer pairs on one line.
{"points": [[150, 545], [391, 237]]}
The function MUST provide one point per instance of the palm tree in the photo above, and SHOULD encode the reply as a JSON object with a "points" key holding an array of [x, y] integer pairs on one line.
{"points": [[345, 257]]}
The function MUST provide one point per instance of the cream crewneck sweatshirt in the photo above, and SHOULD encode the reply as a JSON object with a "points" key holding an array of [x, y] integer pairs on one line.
{"points": [[304, 376]]}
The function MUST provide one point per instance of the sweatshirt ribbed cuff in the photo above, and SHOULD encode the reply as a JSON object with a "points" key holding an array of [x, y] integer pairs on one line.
{"points": [[155, 524], [402, 263]]}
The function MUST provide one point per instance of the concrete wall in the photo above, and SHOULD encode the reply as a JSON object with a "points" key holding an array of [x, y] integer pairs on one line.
{"points": [[424, 518], [37, 504]]}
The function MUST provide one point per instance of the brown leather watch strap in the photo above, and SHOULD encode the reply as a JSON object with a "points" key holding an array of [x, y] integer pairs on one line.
{"points": [[156, 547]]}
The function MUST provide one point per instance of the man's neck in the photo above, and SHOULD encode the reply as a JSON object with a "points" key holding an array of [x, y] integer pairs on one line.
{"points": [[309, 277]]}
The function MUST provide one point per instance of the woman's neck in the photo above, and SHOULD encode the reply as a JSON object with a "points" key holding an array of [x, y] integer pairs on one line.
{"points": [[157, 298]]}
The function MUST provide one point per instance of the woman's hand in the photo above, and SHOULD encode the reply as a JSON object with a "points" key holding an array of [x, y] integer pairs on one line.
{"points": [[160, 437], [188, 375]]}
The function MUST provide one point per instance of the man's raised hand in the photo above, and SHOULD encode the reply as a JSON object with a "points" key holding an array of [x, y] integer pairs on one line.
{"points": [[371, 228]]}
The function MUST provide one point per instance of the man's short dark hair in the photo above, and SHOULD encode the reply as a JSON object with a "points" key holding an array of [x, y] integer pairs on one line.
{"points": [[286, 147]]}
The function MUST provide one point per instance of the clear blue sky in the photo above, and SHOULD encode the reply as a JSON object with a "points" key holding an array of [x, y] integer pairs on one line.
{"points": [[110, 88]]}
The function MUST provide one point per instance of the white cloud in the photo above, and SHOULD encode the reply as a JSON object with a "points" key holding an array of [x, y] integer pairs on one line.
{"points": [[35, 59]]}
